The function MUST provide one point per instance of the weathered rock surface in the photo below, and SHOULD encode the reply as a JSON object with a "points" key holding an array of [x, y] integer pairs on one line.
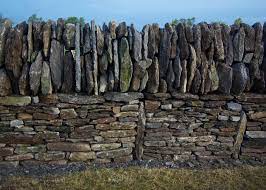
{"points": [[240, 78], [5, 84], [46, 82], [126, 67], [35, 74], [56, 64], [69, 36], [225, 74]]}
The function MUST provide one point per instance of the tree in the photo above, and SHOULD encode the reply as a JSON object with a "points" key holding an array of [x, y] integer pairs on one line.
{"points": [[75, 20], [187, 21], [238, 21], [35, 18]]}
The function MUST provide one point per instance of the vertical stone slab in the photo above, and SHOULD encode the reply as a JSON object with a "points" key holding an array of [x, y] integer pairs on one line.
{"points": [[46, 82], [126, 67], [30, 40], [4, 30], [68, 79], [94, 57], [56, 64], [239, 138], [35, 74], [140, 132], [5, 84], [23, 84], [47, 30], [77, 59]]}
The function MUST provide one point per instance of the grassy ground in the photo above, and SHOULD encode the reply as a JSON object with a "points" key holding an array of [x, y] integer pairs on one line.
{"points": [[141, 178]]}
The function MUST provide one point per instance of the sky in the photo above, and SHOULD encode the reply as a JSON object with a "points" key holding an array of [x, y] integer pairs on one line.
{"points": [[139, 12]]}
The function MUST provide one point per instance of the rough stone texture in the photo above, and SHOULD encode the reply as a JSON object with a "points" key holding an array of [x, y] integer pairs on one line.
{"points": [[225, 74], [69, 36], [137, 44], [35, 74], [68, 79], [56, 64], [154, 78], [239, 45], [5, 85], [240, 78], [46, 82], [4, 30], [126, 67], [47, 30]]}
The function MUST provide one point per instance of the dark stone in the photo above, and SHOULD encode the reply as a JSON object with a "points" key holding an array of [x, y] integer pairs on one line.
{"points": [[197, 42], [218, 42], [69, 36], [13, 57], [163, 86], [239, 45], [4, 30], [121, 30], [178, 71], [60, 29], [225, 74], [182, 42], [170, 78], [153, 81], [196, 82], [56, 64], [174, 39], [89, 73], [24, 87], [5, 84], [37, 37], [87, 39], [68, 78], [164, 52], [154, 40], [249, 37], [30, 40], [207, 36]]}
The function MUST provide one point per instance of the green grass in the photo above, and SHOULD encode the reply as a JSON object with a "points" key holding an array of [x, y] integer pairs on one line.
{"points": [[140, 178]]}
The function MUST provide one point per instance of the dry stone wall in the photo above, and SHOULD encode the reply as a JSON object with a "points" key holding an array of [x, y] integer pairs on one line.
{"points": [[114, 94]]}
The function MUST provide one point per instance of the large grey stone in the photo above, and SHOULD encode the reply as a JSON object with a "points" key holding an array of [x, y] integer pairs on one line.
{"points": [[4, 30], [79, 99], [24, 87], [239, 45], [225, 74], [77, 59], [68, 76], [35, 74], [240, 78], [56, 64], [192, 64], [46, 82], [153, 81], [46, 37], [126, 67], [69, 36], [137, 44]]}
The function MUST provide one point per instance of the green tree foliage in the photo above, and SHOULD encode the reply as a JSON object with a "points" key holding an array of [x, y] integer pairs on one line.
{"points": [[187, 21], [75, 20], [35, 18], [238, 21]]}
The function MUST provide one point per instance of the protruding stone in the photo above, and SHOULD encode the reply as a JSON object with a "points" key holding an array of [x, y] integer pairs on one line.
{"points": [[145, 38], [46, 37], [77, 59], [234, 106], [69, 36], [87, 39], [249, 37], [15, 100], [126, 67], [100, 40], [137, 44], [239, 45], [68, 114], [218, 43], [121, 30], [154, 40], [35, 74], [16, 123], [240, 78], [207, 36], [46, 82], [24, 87], [170, 78], [182, 42], [56, 64], [59, 29], [112, 29], [89, 73], [5, 84]]}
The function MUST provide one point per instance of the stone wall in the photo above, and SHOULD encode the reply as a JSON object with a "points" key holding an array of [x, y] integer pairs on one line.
{"points": [[113, 94], [120, 127], [52, 57]]}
